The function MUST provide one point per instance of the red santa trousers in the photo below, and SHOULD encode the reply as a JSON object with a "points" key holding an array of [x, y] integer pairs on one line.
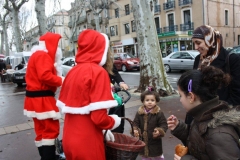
{"points": [[47, 130]]}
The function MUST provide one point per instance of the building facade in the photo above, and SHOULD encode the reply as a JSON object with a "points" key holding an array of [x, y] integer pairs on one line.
{"points": [[57, 23], [175, 20]]}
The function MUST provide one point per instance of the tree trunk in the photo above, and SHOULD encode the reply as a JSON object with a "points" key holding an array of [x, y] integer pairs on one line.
{"points": [[152, 71], [5, 39], [96, 19], [41, 17], [2, 39], [16, 29]]}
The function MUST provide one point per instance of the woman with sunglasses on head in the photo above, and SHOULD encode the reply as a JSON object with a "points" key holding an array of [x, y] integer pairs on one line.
{"points": [[212, 133]]}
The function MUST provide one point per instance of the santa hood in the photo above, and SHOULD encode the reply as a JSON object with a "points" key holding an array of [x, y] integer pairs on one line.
{"points": [[51, 43], [87, 87], [89, 50]]}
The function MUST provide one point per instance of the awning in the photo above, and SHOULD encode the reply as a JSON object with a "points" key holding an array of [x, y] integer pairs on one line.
{"points": [[2, 56]]}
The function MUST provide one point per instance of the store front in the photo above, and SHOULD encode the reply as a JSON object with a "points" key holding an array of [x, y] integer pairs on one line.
{"points": [[175, 41], [126, 46]]}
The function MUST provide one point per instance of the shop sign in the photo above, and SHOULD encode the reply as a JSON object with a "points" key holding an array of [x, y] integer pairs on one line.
{"points": [[117, 43], [167, 34], [190, 32]]}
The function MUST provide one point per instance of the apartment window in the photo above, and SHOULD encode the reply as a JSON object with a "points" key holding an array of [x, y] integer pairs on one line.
{"points": [[127, 11], [117, 13], [157, 22], [226, 17], [187, 17], [106, 13], [133, 26], [116, 30], [126, 26], [170, 19], [112, 31], [106, 29]]}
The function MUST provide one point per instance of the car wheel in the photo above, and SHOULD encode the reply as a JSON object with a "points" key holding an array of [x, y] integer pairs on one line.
{"points": [[167, 68], [19, 84], [124, 68]]}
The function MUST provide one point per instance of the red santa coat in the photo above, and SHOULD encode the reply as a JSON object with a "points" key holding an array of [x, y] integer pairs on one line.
{"points": [[41, 76], [85, 97]]}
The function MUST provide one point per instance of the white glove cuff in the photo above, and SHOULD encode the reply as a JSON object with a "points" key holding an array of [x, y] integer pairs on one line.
{"points": [[117, 121]]}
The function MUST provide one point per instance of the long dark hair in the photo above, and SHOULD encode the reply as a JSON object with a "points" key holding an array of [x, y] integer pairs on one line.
{"points": [[204, 82]]}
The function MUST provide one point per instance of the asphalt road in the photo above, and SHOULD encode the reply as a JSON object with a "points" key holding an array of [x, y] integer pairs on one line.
{"points": [[133, 78]]}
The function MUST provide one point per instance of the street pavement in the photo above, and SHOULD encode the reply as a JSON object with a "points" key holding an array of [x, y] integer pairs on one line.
{"points": [[17, 131]]}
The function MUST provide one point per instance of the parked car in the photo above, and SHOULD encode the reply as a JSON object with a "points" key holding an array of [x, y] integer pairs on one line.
{"points": [[180, 60], [18, 76], [125, 62], [235, 50], [67, 64]]}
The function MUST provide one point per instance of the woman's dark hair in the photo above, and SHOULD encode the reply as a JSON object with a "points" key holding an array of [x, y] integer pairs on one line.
{"points": [[150, 91], [204, 82]]}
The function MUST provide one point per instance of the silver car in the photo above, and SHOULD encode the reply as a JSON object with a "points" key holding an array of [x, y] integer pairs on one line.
{"points": [[67, 64], [180, 60]]}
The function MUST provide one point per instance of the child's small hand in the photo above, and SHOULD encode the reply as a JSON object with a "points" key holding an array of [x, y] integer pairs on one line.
{"points": [[172, 122], [136, 134], [156, 133], [176, 157]]}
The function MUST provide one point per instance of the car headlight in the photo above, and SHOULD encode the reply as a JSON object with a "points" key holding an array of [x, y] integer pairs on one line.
{"points": [[130, 62]]}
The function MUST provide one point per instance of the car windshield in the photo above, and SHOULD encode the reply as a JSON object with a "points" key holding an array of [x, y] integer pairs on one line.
{"points": [[126, 56], [194, 54]]}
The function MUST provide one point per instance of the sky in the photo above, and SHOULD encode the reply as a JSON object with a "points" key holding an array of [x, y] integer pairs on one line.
{"points": [[49, 9]]}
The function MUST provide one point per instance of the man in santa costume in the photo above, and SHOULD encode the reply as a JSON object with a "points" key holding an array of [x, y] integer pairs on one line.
{"points": [[85, 97], [42, 82]]}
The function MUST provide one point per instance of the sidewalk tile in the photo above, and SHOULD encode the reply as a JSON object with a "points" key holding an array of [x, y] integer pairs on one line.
{"points": [[11, 129], [23, 126], [2, 131], [31, 124]]}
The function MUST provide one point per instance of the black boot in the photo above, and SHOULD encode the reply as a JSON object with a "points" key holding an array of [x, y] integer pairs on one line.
{"points": [[40, 152], [49, 153]]}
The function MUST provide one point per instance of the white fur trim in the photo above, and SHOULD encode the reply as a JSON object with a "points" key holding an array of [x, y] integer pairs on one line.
{"points": [[48, 142], [39, 47], [58, 61], [43, 115], [45, 142], [104, 57], [38, 143], [117, 121], [86, 109]]}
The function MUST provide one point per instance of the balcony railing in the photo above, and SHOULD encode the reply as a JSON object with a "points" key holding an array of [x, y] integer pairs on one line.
{"points": [[159, 30], [81, 20], [93, 21], [157, 8], [169, 5], [187, 26], [184, 2], [170, 28]]}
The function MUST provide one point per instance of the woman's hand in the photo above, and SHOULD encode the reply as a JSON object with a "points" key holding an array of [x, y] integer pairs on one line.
{"points": [[172, 122], [123, 85], [176, 157]]}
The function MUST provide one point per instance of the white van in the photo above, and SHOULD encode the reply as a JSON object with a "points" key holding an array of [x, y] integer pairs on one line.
{"points": [[18, 76]]}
